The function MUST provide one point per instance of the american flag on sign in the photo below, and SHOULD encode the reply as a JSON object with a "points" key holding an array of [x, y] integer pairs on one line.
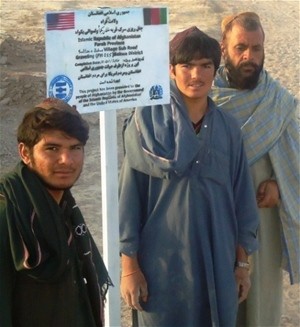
{"points": [[60, 21]]}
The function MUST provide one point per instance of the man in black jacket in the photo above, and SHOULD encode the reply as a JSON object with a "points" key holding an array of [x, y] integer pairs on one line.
{"points": [[51, 273]]}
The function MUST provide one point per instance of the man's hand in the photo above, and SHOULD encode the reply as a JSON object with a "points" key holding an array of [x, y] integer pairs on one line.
{"points": [[134, 289], [133, 283], [243, 282], [267, 195]]}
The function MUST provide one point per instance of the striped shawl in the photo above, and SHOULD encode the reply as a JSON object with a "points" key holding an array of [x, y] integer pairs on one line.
{"points": [[267, 116]]}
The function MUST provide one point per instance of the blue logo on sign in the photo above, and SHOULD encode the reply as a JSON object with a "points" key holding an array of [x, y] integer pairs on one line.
{"points": [[61, 87], [156, 92]]}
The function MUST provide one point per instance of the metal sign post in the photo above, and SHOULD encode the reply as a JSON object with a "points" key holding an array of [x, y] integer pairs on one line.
{"points": [[110, 215]]}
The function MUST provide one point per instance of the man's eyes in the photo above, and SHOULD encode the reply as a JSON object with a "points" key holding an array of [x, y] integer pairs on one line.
{"points": [[190, 66], [56, 148], [77, 147], [240, 48], [51, 148]]}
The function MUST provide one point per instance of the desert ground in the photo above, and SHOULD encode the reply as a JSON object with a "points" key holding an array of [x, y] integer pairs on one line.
{"points": [[23, 82]]}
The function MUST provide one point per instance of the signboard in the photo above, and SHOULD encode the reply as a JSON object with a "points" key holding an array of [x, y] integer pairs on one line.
{"points": [[108, 58]]}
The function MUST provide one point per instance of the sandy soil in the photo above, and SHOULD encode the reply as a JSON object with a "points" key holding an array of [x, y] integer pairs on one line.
{"points": [[22, 64]]}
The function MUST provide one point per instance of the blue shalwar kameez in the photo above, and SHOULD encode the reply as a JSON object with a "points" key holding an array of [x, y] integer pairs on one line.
{"points": [[186, 202]]}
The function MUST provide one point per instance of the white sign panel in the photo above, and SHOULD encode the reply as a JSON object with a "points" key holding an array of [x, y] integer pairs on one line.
{"points": [[108, 58]]}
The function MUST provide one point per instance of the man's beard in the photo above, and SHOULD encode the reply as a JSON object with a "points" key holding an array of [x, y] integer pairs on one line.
{"points": [[236, 78]]}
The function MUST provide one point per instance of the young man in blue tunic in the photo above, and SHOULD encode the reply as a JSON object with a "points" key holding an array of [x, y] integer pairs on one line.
{"points": [[188, 216]]}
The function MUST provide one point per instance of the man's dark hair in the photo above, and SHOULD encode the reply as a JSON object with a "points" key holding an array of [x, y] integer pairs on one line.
{"points": [[52, 114], [193, 44]]}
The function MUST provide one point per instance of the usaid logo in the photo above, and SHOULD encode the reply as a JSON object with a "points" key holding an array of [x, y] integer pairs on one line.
{"points": [[61, 87]]}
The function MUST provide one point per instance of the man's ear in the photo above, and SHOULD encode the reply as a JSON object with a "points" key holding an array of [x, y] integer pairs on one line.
{"points": [[24, 153], [223, 48], [172, 71]]}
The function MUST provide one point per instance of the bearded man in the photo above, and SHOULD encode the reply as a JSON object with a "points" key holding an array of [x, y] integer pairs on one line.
{"points": [[267, 116]]}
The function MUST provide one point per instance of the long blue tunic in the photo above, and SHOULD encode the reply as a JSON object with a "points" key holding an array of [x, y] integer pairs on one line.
{"points": [[186, 201]]}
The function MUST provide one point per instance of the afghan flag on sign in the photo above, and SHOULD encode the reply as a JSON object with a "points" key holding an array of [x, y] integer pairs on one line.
{"points": [[155, 16]]}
